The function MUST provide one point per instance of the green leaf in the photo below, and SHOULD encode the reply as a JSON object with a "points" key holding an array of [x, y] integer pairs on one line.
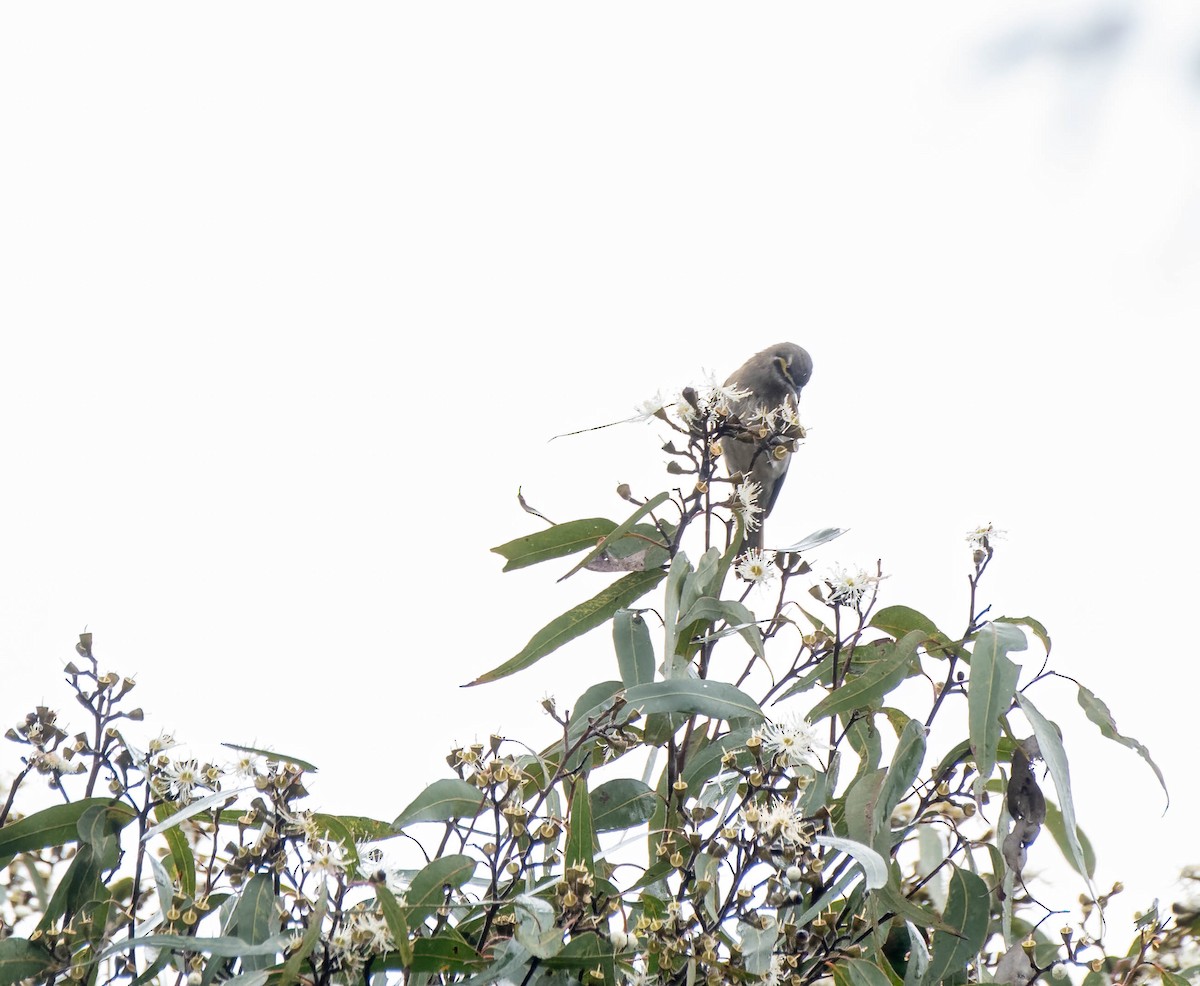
{"points": [[703, 764], [899, 620], [861, 798], [227, 946], [621, 804], [677, 578], [864, 740], [918, 956], [1058, 829], [1039, 631], [893, 900], [22, 959], [397, 923], [297, 956], [695, 696], [859, 972], [451, 797], [427, 892], [98, 828], [880, 677], [535, 929], [576, 622], [756, 945], [360, 828], [273, 756], [873, 865], [591, 704], [181, 851], [990, 692], [906, 764], [78, 885], [256, 918], [580, 849], [448, 951], [1098, 712], [702, 582], [56, 826], [706, 609], [967, 909], [619, 532], [1055, 757], [635, 652], [556, 542]]}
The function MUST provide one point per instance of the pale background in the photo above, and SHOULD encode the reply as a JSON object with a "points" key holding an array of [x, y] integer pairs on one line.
{"points": [[293, 296]]}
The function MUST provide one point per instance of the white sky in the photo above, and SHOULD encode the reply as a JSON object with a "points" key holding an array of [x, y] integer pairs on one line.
{"points": [[293, 295]]}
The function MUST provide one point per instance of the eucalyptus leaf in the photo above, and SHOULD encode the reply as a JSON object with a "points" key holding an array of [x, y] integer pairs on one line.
{"points": [[695, 696], [873, 865], [635, 652], [968, 905], [990, 692], [621, 803], [535, 929], [881, 676], [555, 542], [576, 622], [1098, 713], [1051, 748], [815, 539], [450, 797]]}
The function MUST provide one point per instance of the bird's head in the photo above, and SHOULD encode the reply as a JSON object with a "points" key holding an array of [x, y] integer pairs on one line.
{"points": [[792, 363]]}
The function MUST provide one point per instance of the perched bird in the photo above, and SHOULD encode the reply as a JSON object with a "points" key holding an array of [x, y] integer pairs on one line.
{"points": [[774, 377]]}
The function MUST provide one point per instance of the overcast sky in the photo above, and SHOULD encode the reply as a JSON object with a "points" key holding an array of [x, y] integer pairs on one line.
{"points": [[294, 295]]}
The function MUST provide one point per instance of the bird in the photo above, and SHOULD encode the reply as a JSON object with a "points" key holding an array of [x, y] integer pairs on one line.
{"points": [[774, 376]]}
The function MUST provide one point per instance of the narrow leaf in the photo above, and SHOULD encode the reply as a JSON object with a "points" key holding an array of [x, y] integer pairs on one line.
{"points": [[576, 622], [1055, 756], [918, 956], [1098, 712], [635, 652], [1039, 631], [181, 851], [815, 539], [580, 849], [226, 946], [255, 918], [899, 620], [1058, 829], [55, 826], [706, 609], [397, 923], [1050, 745], [22, 959], [197, 807], [906, 764], [695, 696], [863, 690], [873, 865], [859, 972], [450, 797], [536, 930], [298, 955], [273, 756], [556, 542], [967, 908], [427, 892], [621, 803], [359, 827], [620, 531], [446, 952], [990, 692]]}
